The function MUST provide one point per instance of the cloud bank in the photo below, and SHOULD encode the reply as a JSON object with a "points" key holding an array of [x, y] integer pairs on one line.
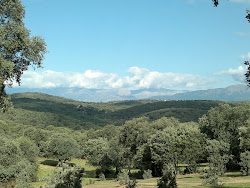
{"points": [[139, 78], [237, 74]]}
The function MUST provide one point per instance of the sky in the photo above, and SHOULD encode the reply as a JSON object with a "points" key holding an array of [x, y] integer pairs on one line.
{"points": [[139, 44]]}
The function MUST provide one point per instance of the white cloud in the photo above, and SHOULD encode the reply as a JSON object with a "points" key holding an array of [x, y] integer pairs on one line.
{"points": [[237, 74], [139, 78], [246, 57]]}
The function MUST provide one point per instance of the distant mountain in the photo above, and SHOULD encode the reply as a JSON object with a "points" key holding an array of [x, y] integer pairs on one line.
{"points": [[97, 95], [232, 93]]}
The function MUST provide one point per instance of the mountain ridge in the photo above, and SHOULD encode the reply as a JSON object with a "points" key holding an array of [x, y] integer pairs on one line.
{"points": [[238, 92]]}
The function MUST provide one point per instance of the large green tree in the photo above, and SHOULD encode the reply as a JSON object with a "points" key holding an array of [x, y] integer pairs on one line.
{"points": [[18, 50], [175, 145], [62, 147], [228, 124], [17, 162]]}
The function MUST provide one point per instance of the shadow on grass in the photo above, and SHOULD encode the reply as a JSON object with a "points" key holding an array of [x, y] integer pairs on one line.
{"points": [[50, 162], [185, 177], [234, 175], [89, 174], [55, 163]]}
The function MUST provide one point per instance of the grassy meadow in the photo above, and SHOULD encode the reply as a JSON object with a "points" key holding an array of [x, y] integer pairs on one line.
{"points": [[47, 167]]}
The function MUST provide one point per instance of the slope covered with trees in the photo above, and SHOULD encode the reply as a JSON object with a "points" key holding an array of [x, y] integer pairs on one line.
{"points": [[42, 109], [156, 148]]}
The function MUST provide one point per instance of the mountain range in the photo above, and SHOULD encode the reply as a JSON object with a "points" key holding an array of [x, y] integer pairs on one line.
{"points": [[232, 93]]}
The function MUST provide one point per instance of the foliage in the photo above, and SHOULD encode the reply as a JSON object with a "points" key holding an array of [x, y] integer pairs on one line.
{"points": [[131, 184], [17, 163], [245, 163], [17, 49], [102, 177], [28, 148], [218, 158], [62, 147], [168, 180], [226, 123], [244, 134], [66, 178], [123, 177], [247, 63], [95, 150], [174, 145], [41, 109], [147, 174]]}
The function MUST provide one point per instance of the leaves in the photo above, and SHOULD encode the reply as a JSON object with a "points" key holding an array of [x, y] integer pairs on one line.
{"points": [[17, 49]]}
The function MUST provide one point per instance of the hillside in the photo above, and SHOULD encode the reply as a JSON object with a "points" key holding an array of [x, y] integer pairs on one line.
{"points": [[43, 109]]}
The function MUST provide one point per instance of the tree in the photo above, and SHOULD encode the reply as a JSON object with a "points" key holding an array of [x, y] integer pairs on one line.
{"points": [[218, 158], [16, 166], [96, 152], [18, 50], [175, 145], [224, 123], [134, 133], [168, 180], [66, 178], [38, 136], [245, 163], [62, 147], [247, 63], [29, 149]]}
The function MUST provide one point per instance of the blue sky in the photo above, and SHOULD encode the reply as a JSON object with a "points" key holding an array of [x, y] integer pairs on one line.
{"points": [[174, 44]]}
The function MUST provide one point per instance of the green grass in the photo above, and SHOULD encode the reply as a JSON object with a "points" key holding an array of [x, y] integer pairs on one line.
{"points": [[47, 166]]}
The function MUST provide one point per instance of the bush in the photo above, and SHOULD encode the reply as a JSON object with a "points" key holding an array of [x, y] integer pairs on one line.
{"points": [[131, 184], [147, 174], [123, 177], [102, 177], [245, 163], [168, 180], [68, 177]]}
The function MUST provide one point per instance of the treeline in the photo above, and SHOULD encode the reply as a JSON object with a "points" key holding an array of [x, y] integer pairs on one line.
{"points": [[36, 108], [157, 147]]}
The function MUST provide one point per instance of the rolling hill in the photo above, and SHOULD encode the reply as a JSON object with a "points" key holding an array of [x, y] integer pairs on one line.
{"points": [[43, 109]]}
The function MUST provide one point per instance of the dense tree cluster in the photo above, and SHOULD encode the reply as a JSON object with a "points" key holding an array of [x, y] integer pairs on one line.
{"points": [[221, 138]]}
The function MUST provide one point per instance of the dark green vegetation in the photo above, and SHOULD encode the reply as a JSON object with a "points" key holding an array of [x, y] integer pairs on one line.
{"points": [[149, 141], [42, 109], [18, 50]]}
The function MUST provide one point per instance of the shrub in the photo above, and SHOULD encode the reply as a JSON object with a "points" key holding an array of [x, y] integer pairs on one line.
{"points": [[168, 180], [245, 163], [131, 184], [147, 174], [123, 177], [102, 177]]}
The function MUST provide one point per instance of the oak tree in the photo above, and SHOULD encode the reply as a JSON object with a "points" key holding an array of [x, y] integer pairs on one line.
{"points": [[18, 49]]}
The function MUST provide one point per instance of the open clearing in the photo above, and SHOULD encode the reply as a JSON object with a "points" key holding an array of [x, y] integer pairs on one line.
{"points": [[46, 168]]}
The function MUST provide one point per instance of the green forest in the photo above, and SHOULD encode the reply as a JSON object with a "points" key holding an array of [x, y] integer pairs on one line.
{"points": [[53, 142], [48, 141]]}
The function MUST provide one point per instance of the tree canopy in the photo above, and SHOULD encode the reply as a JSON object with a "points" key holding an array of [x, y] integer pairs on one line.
{"points": [[18, 50]]}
